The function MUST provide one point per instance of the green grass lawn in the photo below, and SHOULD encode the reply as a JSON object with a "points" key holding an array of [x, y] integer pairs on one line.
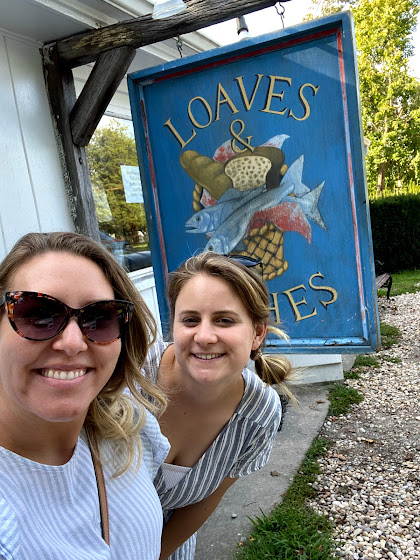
{"points": [[407, 281], [389, 335]]}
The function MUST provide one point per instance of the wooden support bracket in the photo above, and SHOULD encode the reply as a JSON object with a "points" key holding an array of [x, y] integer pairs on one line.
{"points": [[106, 76], [136, 33]]}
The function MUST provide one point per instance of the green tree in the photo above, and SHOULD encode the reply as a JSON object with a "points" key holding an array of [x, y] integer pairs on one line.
{"points": [[112, 146], [390, 96]]}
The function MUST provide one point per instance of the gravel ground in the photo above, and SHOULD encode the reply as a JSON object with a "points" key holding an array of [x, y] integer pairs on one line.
{"points": [[370, 484]]}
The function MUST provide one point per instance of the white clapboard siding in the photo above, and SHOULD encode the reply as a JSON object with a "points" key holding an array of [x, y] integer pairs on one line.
{"points": [[144, 281], [32, 194]]}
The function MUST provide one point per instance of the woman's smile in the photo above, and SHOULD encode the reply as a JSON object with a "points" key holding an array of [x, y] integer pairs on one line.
{"points": [[213, 332], [63, 380], [208, 356], [62, 374]]}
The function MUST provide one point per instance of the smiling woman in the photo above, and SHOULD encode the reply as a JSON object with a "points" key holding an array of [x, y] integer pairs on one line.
{"points": [[222, 418], [74, 332]]}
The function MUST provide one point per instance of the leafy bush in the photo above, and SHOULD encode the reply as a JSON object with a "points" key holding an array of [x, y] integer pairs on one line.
{"points": [[396, 232]]}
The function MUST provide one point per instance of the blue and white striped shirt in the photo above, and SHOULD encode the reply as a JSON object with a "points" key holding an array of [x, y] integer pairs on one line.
{"points": [[52, 512], [242, 447]]}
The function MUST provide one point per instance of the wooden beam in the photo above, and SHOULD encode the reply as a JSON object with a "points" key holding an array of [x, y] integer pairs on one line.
{"points": [[62, 96], [103, 81], [136, 33]]}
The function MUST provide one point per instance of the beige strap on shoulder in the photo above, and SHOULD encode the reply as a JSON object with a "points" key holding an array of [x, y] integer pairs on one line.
{"points": [[100, 482]]}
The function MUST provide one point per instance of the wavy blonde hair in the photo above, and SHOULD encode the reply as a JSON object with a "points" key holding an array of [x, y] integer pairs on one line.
{"points": [[251, 290], [113, 415]]}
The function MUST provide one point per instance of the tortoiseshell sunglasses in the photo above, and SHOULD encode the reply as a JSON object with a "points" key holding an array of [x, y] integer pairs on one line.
{"points": [[38, 316]]}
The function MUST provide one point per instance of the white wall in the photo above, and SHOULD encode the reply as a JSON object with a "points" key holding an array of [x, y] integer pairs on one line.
{"points": [[144, 281], [317, 368], [32, 194]]}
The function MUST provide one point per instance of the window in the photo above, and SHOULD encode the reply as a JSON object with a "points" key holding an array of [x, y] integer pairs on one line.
{"points": [[117, 193]]}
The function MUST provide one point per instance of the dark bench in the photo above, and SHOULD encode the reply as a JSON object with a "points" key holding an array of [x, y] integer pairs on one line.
{"points": [[383, 279]]}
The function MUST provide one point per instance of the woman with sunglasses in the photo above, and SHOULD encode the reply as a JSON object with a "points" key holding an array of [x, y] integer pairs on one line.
{"points": [[74, 332], [221, 419]]}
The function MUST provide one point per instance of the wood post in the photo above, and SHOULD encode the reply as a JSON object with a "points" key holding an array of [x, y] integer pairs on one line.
{"points": [[62, 96]]}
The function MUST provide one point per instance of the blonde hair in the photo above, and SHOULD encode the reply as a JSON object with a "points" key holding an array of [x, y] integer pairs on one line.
{"points": [[111, 414], [251, 290]]}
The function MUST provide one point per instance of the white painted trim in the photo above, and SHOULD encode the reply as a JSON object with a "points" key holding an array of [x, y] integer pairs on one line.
{"points": [[143, 273], [78, 11], [316, 368], [21, 38], [199, 41], [313, 368], [305, 360], [134, 8], [162, 50]]}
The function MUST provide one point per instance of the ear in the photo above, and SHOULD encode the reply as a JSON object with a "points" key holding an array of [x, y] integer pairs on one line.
{"points": [[260, 332]]}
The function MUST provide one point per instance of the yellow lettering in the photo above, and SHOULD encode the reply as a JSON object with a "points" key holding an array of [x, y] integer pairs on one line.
{"points": [[226, 99], [275, 308], [248, 102], [206, 106], [271, 94], [177, 135], [295, 304], [237, 136], [326, 288], [304, 102]]}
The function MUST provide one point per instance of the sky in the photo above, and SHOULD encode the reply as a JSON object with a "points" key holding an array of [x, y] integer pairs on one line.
{"points": [[267, 20]]}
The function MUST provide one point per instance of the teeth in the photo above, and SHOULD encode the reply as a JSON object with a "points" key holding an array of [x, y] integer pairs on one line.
{"points": [[208, 356], [59, 374]]}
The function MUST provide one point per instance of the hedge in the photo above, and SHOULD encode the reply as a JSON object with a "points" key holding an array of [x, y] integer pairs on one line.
{"points": [[396, 231]]}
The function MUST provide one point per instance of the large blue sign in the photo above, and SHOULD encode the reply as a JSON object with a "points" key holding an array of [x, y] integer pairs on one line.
{"points": [[257, 149]]}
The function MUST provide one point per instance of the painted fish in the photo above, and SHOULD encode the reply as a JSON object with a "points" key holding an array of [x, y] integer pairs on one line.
{"points": [[309, 204], [210, 218], [277, 141], [294, 175], [287, 216], [232, 230], [224, 152]]}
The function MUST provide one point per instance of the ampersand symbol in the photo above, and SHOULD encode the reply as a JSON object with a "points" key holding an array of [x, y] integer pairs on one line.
{"points": [[237, 136]]}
